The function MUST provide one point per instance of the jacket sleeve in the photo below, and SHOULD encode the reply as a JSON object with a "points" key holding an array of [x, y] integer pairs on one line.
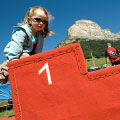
{"points": [[106, 55], [117, 50], [16, 45]]}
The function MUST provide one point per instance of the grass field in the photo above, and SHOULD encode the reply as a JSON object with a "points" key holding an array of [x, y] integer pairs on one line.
{"points": [[3, 109], [6, 113], [96, 62]]}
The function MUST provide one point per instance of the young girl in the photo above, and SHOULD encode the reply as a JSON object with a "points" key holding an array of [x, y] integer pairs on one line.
{"points": [[27, 38]]}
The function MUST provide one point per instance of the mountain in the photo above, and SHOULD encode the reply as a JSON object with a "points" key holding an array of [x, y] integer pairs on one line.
{"points": [[91, 37], [88, 30]]}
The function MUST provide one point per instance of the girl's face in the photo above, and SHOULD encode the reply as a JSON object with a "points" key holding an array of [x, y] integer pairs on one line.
{"points": [[38, 21]]}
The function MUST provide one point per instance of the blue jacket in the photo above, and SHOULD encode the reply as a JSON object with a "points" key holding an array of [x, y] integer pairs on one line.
{"points": [[23, 41]]}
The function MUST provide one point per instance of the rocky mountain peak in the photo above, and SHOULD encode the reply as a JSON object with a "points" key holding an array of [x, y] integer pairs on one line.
{"points": [[88, 29]]}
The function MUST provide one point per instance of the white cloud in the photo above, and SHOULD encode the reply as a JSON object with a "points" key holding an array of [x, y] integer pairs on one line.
{"points": [[50, 16]]}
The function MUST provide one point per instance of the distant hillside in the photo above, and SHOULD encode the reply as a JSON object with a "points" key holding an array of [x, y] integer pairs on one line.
{"points": [[91, 37], [97, 47]]}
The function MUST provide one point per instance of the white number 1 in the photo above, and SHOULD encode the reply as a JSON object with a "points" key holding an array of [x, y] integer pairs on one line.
{"points": [[46, 67]]}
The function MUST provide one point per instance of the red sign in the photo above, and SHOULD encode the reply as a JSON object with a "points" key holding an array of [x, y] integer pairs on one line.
{"points": [[55, 85]]}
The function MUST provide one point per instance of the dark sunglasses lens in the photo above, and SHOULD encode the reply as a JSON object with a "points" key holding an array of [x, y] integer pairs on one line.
{"points": [[38, 19]]}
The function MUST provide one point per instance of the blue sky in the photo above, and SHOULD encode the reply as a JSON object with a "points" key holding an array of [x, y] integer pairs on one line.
{"points": [[105, 13]]}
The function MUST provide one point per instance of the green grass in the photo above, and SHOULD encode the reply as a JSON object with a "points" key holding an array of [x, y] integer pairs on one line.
{"points": [[7, 113], [98, 62], [4, 112], [3, 103]]}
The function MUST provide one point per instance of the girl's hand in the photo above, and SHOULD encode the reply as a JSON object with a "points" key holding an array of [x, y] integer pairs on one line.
{"points": [[3, 79]]}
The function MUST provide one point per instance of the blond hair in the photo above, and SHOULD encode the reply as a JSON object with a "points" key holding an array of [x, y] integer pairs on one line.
{"points": [[32, 12]]}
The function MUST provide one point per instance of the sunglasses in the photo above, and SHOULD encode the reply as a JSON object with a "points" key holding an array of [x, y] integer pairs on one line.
{"points": [[40, 20]]}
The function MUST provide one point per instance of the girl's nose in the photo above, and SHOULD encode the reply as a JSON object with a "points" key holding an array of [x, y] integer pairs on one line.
{"points": [[40, 22]]}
